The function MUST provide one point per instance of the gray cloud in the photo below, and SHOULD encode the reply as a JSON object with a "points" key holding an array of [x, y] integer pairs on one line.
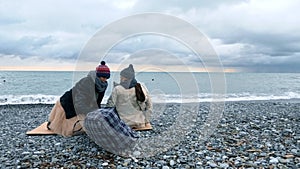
{"points": [[264, 51], [26, 46], [256, 35], [29, 46], [273, 44]]}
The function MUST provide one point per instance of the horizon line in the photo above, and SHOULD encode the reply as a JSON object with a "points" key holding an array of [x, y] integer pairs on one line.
{"points": [[117, 68]]}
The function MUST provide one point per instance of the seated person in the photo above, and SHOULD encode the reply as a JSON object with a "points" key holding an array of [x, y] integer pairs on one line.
{"points": [[131, 99], [73, 105]]}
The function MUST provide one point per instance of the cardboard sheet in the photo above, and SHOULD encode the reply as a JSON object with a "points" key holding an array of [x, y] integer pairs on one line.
{"points": [[147, 127], [41, 130]]}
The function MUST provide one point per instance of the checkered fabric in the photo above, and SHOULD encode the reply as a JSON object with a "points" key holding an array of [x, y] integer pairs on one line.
{"points": [[107, 130]]}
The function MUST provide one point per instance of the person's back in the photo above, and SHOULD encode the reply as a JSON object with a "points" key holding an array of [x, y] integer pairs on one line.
{"points": [[131, 99]]}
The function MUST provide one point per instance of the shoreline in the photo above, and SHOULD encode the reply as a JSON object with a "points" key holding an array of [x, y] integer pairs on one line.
{"points": [[295, 100], [250, 134]]}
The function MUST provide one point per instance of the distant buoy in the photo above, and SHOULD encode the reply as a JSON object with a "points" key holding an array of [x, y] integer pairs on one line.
{"points": [[152, 79], [4, 80]]}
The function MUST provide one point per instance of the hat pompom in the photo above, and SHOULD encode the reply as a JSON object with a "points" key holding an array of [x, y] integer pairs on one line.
{"points": [[102, 70]]}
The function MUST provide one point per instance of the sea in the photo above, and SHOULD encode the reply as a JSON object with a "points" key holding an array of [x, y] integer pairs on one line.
{"points": [[45, 87]]}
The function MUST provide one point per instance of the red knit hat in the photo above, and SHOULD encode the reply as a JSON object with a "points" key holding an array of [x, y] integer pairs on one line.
{"points": [[102, 70]]}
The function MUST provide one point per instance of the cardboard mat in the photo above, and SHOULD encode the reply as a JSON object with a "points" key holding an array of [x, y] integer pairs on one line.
{"points": [[41, 130], [148, 126]]}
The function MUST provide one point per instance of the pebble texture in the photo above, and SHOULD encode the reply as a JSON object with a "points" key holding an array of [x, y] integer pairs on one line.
{"points": [[249, 135]]}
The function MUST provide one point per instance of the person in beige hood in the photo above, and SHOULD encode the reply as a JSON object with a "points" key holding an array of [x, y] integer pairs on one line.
{"points": [[131, 99]]}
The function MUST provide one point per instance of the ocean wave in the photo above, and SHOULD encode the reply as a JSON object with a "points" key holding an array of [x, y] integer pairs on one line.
{"points": [[28, 99], [158, 98]]}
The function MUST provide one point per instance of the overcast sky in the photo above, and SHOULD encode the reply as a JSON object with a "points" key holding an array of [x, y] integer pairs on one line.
{"points": [[247, 35]]}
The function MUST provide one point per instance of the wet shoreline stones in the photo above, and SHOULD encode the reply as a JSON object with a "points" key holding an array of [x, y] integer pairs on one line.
{"points": [[260, 134]]}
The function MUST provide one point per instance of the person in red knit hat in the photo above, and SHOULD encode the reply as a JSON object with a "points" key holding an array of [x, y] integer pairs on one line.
{"points": [[70, 110]]}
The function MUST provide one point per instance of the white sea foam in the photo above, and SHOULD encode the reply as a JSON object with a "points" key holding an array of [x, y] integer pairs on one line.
{"points": [[158, 98], [28, 99], [228, 97]]}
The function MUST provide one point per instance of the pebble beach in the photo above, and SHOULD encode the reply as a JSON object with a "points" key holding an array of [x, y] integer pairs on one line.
{"points": [[254, 134]]}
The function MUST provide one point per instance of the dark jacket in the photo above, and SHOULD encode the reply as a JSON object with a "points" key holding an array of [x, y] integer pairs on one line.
{"points": [[82, 98]]}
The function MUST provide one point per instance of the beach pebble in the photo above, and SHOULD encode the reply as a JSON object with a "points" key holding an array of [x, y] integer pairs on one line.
{"points": [[224, 165], [172, 162], [212, 164], [104, 164], [249, 135], [273, 160], [295, 152], [26, 153]]}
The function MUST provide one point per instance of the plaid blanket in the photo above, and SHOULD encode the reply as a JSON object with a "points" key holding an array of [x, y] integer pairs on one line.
{"points": [[107, 130]]}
